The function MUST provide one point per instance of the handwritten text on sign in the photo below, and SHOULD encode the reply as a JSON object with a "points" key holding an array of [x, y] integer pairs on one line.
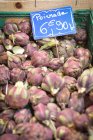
{"points": [[51, 23]]}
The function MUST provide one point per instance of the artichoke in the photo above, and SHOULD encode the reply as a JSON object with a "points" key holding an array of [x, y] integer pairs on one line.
{"points": [[81, 35], [4, 74], [35, 76], [70, 83], [9, 136], [10, 28], [17, 74], [62, 132], [66, 117], [85, 82], [30, 48], [63, 97], [76, 102], [84, 56], [15, 61], [26, 65], [40, 58], [8, 44], [19, 38], [72, 67], [65, 49], [56, 63], [23, 115], [81, 122], [17, 96], [24, 26], [52, 83], [38, 96], [34, 131]]}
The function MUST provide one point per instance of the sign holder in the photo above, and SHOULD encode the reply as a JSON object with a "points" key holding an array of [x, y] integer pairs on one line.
{"points": [[6, 90], [57, 48]]}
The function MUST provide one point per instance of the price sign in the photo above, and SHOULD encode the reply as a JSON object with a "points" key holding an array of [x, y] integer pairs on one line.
{"points": [[52, 23]]}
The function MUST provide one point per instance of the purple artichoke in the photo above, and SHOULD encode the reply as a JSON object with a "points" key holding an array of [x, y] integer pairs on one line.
{"points": [[10, 28], [81, 122], [24, 26], [34, 131], [15, 61], [20, 38], [65, 49], [4, 74], [72, 67], [66, 117], [55, 63], [40, 112], [52, 83], [84, 56], [76, 103], [85, 82], [8, 136], [40, 58], [8, 44], [63, 97], [17, 74], [46, 112], [30, 48], [38, 96], [23, 115], [62, 132], [70, 83], [26, 65], [17, 96], [53, 110], [81, 36], [35, 76]]}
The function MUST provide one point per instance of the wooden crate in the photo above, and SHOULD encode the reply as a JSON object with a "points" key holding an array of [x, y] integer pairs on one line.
{"points": [[35, 5]]}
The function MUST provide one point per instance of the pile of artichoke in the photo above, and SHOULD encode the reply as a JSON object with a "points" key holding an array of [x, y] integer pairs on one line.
{"points": [[46, 86]]}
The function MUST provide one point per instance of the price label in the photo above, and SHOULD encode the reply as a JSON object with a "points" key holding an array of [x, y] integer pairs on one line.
{"points": [[52, 23]]}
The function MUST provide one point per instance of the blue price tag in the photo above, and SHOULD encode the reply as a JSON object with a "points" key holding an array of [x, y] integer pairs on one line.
{"points": [[54, 22]]}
